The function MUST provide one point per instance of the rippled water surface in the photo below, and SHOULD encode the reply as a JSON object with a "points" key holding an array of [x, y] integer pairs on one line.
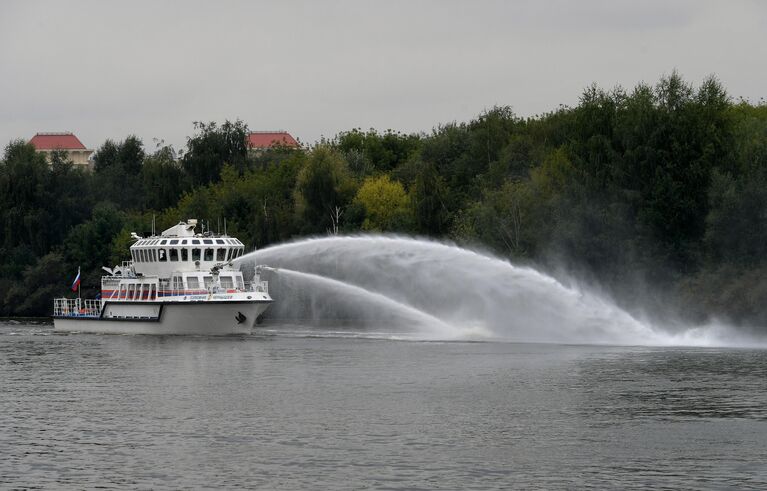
{"points": [[325, 412]]}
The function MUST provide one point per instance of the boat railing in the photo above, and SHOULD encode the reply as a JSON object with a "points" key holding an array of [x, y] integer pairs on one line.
{"points": [[76, 307]]}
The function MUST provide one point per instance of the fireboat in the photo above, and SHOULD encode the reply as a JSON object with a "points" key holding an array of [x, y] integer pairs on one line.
{"points": [[178, 282]]}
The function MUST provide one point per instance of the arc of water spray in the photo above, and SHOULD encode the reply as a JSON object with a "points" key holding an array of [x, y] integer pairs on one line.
{"points": [[512, 302], [426, 320]]}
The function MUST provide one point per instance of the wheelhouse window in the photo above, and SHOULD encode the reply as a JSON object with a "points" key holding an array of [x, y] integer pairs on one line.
{"points": [[195, 254], [174, 242], [220, 254], [162, 255], [154, 255], [229, 254], [174, 254], [185, 254], [208, 254], [207, 241], [219, 241]]}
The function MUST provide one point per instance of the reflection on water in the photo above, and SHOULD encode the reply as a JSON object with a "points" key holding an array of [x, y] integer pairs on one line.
{"points": [[80, 411]]}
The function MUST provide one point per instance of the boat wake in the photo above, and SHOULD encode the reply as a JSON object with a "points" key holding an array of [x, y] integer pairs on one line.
{"points": [[421, 289]]}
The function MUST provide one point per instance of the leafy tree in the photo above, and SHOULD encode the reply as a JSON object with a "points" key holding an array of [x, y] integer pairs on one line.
{"points": [[386, 204], [117, 173], [322, 185], [382, 152], [428, 196], [162, 179], [214, 146]]}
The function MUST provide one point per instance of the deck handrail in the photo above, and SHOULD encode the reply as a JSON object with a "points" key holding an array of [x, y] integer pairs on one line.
{"points": [[76, 307]]}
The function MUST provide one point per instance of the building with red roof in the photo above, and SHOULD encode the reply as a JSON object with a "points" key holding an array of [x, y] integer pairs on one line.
{"points": [[264, 140], [47, 143]]}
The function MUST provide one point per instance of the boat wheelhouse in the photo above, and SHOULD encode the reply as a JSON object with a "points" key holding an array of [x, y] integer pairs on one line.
{"points": [[180, 282]]}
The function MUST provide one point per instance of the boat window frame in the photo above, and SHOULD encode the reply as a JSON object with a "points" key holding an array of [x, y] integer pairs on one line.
{"points": [[198, 251], [184, 254], [205, 254], [220, 254], [229, 279], [162, 255], [173, 254]]}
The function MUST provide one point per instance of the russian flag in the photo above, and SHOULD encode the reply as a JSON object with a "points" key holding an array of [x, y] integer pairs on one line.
{"points": [[76, 283]]}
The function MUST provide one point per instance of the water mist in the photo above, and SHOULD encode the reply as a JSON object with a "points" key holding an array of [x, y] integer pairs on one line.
{"points": [[441, 291]]}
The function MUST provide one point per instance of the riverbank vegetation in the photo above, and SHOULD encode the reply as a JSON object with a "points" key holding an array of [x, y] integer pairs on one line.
{"points": [[657, 194]]}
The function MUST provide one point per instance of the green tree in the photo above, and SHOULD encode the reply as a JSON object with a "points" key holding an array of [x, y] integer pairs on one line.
{"points": [[212, 147], [323, 186], [162, 179], [117, 173], [428, 196], [386, 204]]}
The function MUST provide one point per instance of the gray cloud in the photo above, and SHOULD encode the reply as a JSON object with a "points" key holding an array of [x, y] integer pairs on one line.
{"points": [[109, 69]]}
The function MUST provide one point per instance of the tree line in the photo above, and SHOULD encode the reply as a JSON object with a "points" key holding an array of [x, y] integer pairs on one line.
{"points": [[657, 194]]}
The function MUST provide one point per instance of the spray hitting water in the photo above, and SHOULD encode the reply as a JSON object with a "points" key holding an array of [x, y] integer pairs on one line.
{"points": [[440, 291], [364, 305]]}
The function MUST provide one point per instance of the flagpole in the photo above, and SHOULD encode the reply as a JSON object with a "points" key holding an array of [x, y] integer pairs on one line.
{"points": [[78, 284]]}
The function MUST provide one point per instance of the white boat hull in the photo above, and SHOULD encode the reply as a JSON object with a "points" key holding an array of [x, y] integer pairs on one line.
{"points": [[168, 318]]}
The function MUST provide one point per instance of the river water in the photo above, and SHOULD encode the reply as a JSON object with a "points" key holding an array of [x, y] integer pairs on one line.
{"points": [[316, 410]]}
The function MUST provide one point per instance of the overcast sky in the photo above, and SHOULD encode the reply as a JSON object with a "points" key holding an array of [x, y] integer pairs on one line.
{"points": [[109, 69]]}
